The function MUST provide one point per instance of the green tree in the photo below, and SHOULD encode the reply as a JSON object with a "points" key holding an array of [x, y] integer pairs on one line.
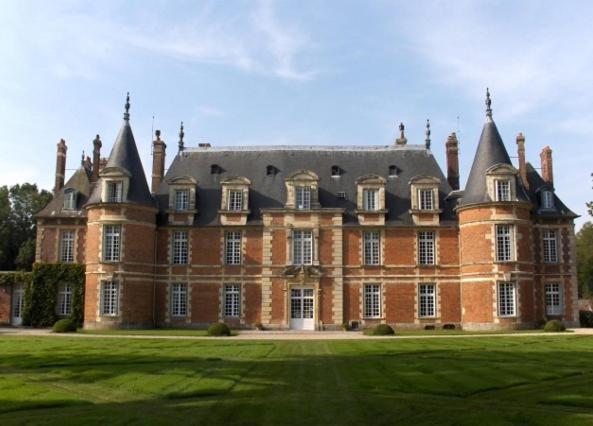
{"points": [[585, 260]]}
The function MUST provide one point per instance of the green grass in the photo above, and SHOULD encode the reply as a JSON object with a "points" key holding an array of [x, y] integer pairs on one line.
{"points": [[487, 380]]}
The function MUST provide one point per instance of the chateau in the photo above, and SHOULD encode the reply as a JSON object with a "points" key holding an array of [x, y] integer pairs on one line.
{"points": [[313, 237]]}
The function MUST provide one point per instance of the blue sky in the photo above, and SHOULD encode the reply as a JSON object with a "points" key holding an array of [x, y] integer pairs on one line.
{"points": [[296, 72]]}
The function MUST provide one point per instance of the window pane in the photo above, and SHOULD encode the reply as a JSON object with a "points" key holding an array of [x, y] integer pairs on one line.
{"points": [[550, 246], [303, 197], [369, 199], [426, 300], [67, 247], [114, 192], [235, 202], [302, 247], [506, 299], [178, 300], [233, 248], [554, 305], [232, 300], [109, 298], [426, 248], [503, 190], [111, 243], [182, 200], [372, 300], [426, 199], [504, 243], [180, 247], [65, 299], [371, 248]]}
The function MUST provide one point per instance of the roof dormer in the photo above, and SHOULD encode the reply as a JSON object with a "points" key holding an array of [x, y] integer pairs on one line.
{"points": [[234, 205], [302, 188], [370, 200]]}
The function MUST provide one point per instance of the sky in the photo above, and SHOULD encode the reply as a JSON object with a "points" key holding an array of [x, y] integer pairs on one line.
{"points": [[296, 73]]}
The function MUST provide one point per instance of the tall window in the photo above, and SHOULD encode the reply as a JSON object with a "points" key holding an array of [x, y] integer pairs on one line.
{"points": [[232, 246], [504, 243], [507, 306], [425, 197], [65, 299], [426, 248], [302, 248], [114, 192], [111, 243], [372, 300], [235, 200], [67, 247], [503, 190], [550, 246], [372, 242], [370, 198], [232, 300], [182, 199], [178, 300], [554, 299], [69, 199], [427, 300], [548, 200], [303, 197], [109, 298], [180, 239]]}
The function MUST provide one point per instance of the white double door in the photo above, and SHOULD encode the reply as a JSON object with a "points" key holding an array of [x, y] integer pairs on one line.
{"points": [[302, 308], [18, 295]]}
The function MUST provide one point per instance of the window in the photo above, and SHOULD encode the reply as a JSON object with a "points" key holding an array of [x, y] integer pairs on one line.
{"points": [[504, 243], [232, 300], [426, 300], [548, 200], [111, 243], [372, 300], [182, 199], [550, 246], [271, 170], [67, 247], [69, 199], [178, 300], [302, 248], [109, 298], [235, 200], [369, 199], [180, 239], [64, 299], [303, 197], [425, 199], [503, 190], [114, 192], [232, 246], [392, 171], [215, 169], [336, 171], [371, 247], [554, 299], [506, 299], [426, 248], [341, 195]]}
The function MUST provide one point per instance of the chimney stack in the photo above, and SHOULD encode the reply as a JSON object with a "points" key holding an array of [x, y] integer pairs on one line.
{"points": [[60, 165], [547, 170], [158, 161], [521, 153], [96, 158], [452, 148]]}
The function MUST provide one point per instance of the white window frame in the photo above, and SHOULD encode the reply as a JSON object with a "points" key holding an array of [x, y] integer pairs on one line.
{"points": [[178, 300], [426, 248], [507, 299], [67, 238], [547, 199], [109, 298], [505, 251], [427, 297], [112, 243], [232, 300], [115, 190], [180, 247], [370, 199], [372, 294], [426, 199], [235, 200], [182, 199], [554, 299], [232, 247], [302, 247], [372, 247], [65, 299], [69, 199], [550, 245], [302, 197], [503, 189]]}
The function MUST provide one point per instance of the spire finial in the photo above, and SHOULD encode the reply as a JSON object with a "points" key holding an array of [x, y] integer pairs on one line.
{"points": [[427, 133], [401, 130], [127, 106], [488, 105], [402, 137], [82, 159], [181, 135]]}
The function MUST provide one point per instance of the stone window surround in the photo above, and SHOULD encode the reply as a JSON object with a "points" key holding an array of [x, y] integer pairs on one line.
{"points": [[436, 299], [112, 175], [515, 296], [419, 183], [183, 183], [70, 197], [237, 183], [370, 182], [302, 178], [514, 240], [501, 172], [314, 247]]}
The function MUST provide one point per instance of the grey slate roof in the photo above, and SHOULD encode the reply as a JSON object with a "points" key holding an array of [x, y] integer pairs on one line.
{"points": [[270, 191], [536, 185], [79, 182]]}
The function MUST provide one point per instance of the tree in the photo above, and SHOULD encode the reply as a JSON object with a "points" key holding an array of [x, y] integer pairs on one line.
{"points": [[584, 239]]}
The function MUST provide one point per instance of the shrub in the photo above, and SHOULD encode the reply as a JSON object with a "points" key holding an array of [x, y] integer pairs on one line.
{"points": [[219, 329], [382, 330], [586, 318], [65, 325], [554, 326]]}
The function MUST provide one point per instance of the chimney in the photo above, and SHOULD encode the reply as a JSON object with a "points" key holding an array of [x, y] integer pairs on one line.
{"points": [[158, 161], [546, 159], [521, 153], [60, 165], [96, 158], [452, 148]]}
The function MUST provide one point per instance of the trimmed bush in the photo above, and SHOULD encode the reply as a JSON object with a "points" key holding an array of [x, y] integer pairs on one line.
{"points": [[382, 330], [554, 326], [65, 325], [219, 329], [586, 318]]}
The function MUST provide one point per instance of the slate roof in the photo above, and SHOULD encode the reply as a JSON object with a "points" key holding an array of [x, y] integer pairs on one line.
{"points": [[538, 184], [80, 182], [269, 191]]}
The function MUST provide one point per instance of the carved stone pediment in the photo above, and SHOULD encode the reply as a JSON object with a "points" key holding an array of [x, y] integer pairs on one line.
{"points": [[302, 272]]}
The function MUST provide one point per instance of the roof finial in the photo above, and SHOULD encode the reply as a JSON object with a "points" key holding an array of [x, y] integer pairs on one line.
{"points": [[181, 135], [402, 137], [127, 113], [488, 106], [82, 159], [427, 133]]}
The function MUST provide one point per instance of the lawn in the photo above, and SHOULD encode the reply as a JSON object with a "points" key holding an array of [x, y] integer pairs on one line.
{"points": [[488, 380]]}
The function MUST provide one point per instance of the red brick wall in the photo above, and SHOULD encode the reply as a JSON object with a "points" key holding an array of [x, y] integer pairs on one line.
{"points": [[477, 302], [252, 303], [205, 303], [400, 302], [5, 304]]}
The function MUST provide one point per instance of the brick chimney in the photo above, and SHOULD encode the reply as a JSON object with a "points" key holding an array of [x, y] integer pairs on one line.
{"points": [[60, 165], [546, 159], [452, 148], [96, 158], [158, 161], [521, 153]]}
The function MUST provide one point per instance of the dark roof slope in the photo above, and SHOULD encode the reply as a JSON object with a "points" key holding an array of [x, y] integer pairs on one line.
{"points": [[536, 185], [269, 191], [78, 182]]}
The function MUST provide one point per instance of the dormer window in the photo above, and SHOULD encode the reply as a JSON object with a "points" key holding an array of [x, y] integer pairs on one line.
{"points": [[235, 200], [303, 197], [501, 183], [370, 199], [215, 169], [392, 171], [234, 203], [115, 192], [182, 199], [426, 199], [302, 190], [547, 199], [336, 171], [69, 199], [271, 170], [503, 190]]}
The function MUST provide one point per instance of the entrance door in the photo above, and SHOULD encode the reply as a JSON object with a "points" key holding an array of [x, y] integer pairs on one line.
{"points": [[302, 305], [18, 294]]}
